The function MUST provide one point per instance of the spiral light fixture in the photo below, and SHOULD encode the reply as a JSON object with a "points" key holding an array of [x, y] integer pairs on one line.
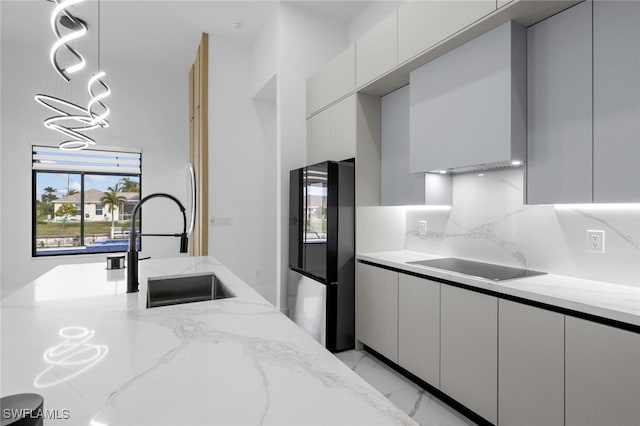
{"points": [[96, 99], [72, 120], [78, 29]]}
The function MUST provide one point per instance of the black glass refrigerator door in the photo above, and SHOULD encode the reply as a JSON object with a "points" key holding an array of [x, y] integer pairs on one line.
{"points": [[295, 219], [314, 211]]}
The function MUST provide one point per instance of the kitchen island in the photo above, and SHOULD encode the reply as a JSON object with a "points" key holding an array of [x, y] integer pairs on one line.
{"points": [[98, 356]]}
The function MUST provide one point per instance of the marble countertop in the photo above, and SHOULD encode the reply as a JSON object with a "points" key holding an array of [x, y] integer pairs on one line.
{"points": [[99, 357], [606, 300]]}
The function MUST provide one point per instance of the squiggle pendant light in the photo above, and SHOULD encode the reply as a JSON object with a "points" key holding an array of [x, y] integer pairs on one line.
{"points": [[78, 29], [73, 119], [98, 119]]}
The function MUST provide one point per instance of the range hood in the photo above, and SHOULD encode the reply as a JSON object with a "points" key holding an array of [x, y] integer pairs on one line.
{"points": [[468, 106]]}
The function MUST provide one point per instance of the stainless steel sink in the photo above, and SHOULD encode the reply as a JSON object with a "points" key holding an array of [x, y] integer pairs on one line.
{"points": [[173, 290]]}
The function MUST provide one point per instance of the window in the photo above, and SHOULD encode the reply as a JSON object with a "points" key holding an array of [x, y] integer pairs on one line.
{"points": [[83, 200]]}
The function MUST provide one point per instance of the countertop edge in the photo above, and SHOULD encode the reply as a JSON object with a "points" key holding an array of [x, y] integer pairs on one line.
{"points": [[397, 260]]}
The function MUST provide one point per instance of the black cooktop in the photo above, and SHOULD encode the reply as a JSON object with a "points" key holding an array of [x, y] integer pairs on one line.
{"points": [[478, 269]]}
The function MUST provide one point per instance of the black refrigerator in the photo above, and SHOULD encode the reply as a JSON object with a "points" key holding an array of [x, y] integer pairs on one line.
{"points": [[322, 241]]}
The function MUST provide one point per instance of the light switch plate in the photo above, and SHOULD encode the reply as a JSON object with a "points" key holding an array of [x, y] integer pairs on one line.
{"points": [[423, 227], [595, 241]]}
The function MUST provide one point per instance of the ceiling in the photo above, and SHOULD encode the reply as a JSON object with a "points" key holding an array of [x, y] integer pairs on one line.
{"points": [[143, 29]]}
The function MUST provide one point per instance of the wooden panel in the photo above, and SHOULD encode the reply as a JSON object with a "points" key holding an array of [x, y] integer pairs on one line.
{"points": [[559, 97], [377, 309], [469, 349], [198, 145], [377, 51], [422, 24], [616, 102], [602, 375], [531, 366], [419, 327]]}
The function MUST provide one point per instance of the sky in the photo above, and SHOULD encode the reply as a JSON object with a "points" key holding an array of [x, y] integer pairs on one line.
{"points": [[59, 181]]}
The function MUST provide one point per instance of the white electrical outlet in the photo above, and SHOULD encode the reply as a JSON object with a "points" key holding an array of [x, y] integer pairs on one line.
{"points": [[423, 227], [595, 241]]}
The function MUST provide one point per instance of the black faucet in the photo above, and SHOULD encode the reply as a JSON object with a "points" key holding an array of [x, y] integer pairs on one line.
{"points": [[132, 254]]}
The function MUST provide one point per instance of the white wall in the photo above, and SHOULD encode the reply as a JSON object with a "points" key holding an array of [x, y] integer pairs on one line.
{"points": [[293, 45], [148, 113], [488, 222], [241, 168]]}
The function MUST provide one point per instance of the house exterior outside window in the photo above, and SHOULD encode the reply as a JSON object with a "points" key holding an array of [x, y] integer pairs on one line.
{"points": [[83, 200]]}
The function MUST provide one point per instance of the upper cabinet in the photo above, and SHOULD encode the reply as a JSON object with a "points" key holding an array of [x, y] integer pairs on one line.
{"points": [[616, 101], [331, 134], [377, 51], [335, 80], [423, 24], [398, 186], [559, 154], [468, 107], [584, 105]]}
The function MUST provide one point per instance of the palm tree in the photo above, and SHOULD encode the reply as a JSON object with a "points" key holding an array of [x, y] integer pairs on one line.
{"points": [[111, 200], [129, 185], [115, 188]]}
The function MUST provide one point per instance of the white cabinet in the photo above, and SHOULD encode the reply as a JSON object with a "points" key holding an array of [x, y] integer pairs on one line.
{"points": [[398, 186], [559, 127], [616, 101], [377, 51], [419, 327], [335, 80], [468, 107], [377, 309], [342, 143], [331, 133], [469, 349], [602, 375], [318, 137], [531, 366], [423, 24]]}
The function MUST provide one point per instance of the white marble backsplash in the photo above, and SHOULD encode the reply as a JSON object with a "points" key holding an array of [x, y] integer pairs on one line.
{"points": [[489, 222]]}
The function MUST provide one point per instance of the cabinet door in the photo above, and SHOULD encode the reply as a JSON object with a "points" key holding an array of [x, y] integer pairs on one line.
{"points": [[419, 327], [318, 137], [531, 366], [469, 349], [377, 51], [343, 129], [423, 24], [398, 187], [377, 309], [559, 98], [335, 80], [616, 101], [602, 375]]}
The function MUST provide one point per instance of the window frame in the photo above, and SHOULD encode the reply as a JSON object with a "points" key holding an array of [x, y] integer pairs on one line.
{"points": [[82, 174]]}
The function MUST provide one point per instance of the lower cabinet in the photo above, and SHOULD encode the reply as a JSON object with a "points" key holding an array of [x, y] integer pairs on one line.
{"points": [[530, 366], [419, 327], [511, 363], [469, 349], [377, 309], [602, 375]]}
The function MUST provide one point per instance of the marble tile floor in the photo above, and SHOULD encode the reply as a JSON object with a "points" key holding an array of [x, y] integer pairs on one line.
{"points": [[419, 404]]}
